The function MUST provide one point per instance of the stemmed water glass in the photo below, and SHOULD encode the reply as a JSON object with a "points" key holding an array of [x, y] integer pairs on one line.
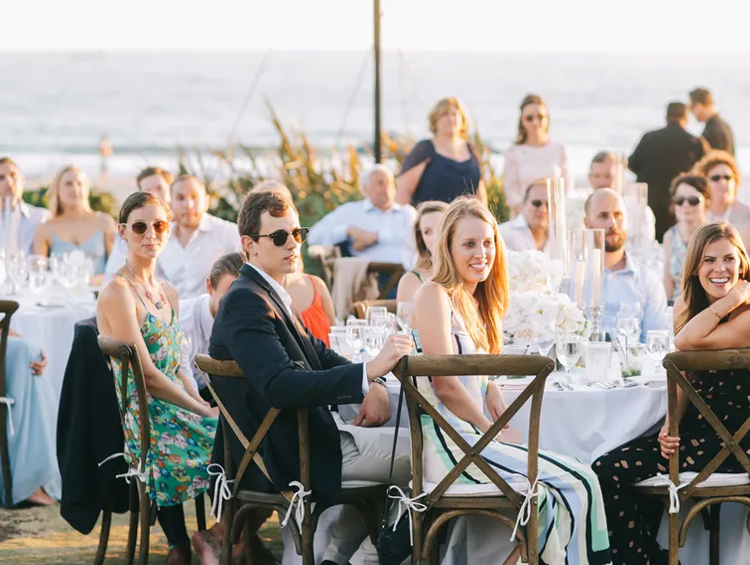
{"points": [[627, 328], [545, 339], [376, 315], [657, 346], [569, 351], [17, 271], [354, 336], [38, 275]]}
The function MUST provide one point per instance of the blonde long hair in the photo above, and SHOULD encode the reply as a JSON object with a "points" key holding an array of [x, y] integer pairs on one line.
{"points": [[442, 107], [693, 294], [483, 311], [55, 206]]}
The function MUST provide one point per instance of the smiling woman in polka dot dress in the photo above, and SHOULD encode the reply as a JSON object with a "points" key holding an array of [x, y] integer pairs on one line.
{"points": [[712, 313]]}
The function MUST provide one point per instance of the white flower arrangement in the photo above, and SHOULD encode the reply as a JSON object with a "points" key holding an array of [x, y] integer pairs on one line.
{"points": [[536, 310]]}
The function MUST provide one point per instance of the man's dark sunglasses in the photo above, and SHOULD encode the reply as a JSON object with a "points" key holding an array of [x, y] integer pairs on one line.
{"points": [[717, 178], [692, 200], [539, 203], [280, 237]]}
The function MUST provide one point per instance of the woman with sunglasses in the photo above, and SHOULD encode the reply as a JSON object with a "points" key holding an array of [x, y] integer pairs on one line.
{"points": [[534, 155], [445, 166], [74, 226], [136, 307], [691, 198], [723, 175]]}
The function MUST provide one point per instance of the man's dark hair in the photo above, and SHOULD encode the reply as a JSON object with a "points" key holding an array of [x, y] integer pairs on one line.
{"points": [[676, 111], [255, 203], [151, 171], [701, 96], [229, 264]]}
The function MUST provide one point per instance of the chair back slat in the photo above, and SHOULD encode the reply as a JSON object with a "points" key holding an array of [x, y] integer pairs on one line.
{"points": [[127, 356], [395, 270], [459, 365], [692, 361], [7, 309]]}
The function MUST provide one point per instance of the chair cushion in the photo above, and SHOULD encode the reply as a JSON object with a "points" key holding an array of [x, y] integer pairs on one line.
{"points": [[489, 489], [714, 480]]}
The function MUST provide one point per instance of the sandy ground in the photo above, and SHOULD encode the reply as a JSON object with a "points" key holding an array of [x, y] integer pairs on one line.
{"points": [[39, 536]]}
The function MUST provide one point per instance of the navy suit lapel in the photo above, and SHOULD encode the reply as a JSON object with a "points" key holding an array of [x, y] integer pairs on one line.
{"points": [[295, 326]]}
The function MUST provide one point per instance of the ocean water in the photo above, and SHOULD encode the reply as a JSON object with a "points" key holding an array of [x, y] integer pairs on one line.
{"points": [[54, 107]]}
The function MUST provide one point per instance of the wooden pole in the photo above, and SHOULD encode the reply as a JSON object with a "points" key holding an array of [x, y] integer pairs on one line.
{"points": [[378, 152]]}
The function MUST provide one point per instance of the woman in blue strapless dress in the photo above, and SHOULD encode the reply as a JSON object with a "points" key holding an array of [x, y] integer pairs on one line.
{"points": [[74, 226]]}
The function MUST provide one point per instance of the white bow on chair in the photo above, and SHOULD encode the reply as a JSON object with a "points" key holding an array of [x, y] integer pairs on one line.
{"points": [[131, 472], [674, 492], [298, 500], [222, 491], [410, 504], [524, 513]]}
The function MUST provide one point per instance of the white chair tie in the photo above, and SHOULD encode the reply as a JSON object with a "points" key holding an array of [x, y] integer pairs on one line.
{"points": [[9, 402], [131, 472], [298, 500], [524, 513], [674, 496], [222, 491], [410, 505]]}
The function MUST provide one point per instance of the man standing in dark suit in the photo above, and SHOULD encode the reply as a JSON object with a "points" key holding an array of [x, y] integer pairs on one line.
{"points": [[287, 368], [660, 156], [717, 132]]}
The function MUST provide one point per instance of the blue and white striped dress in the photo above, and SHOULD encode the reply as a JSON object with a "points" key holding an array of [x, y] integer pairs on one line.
{"points": [[572, 523]]}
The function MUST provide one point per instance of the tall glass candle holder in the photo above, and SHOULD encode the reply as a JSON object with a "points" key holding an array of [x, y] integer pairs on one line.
{"points": [[558, 222], [636, 202], [586, 267]]}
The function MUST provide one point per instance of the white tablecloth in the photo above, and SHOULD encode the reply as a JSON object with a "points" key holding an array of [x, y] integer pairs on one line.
{"points": [[52, 329]]}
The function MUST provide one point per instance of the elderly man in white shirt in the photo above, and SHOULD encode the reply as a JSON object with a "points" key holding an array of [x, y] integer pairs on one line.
{"points": [[197, 314], [197, 241], [24, 218], [151, 179], [376, 228], [530, 229]]}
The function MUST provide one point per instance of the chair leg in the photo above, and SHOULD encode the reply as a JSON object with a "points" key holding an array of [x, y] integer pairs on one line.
{"points": [[715, 534], [200, 511], [308, 550], [145, 506], [674, 541], [133, 529], [226, 543], [247, 534], [101, 550]]}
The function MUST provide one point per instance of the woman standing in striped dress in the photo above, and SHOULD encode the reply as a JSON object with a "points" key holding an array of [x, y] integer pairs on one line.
{"points": [[460, 311]]}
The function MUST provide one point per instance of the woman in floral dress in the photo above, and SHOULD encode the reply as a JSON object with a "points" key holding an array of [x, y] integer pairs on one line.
{"points": [[135, 307]]}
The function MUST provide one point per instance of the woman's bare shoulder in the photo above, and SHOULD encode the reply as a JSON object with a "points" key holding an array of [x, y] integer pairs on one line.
{"points": [[431, 294]]}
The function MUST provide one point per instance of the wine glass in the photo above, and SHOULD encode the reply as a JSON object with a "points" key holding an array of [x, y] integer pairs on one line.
{"points": [[354, 335], [376, 315], [374, 339], [17, 272], [403, 313], [38, 274], [569, 351], [627, 328], [545, 338], [657, 346]]}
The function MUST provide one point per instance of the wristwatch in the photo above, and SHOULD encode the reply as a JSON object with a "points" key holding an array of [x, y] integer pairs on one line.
{"points": [[379, 380]]}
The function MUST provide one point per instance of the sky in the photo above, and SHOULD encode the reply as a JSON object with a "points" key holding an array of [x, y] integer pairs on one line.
{"points": [[582, 26]]}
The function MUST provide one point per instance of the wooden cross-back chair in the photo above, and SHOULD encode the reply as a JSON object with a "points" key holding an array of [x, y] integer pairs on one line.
{"points": [[7, 309], [368, 497], [127, 357], [326, 256], [395, 272], [359, 309], [497, 500], [709, 490]]}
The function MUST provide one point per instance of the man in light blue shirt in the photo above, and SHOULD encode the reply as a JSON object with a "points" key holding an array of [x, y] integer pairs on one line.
{"points": [[19, 226], [626, 280], [376, 228]]}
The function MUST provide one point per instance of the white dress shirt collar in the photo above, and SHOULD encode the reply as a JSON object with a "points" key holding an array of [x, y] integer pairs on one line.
{"points": [[286, 299]]}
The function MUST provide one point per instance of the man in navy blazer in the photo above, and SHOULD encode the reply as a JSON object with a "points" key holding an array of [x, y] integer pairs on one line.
{"points": [[287, 368]]}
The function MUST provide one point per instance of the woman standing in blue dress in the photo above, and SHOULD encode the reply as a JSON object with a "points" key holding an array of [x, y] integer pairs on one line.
{"points": [[460, 312]]}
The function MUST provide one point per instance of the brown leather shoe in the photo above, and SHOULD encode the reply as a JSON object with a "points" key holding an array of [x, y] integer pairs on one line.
{"points": [[179, 556]]}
